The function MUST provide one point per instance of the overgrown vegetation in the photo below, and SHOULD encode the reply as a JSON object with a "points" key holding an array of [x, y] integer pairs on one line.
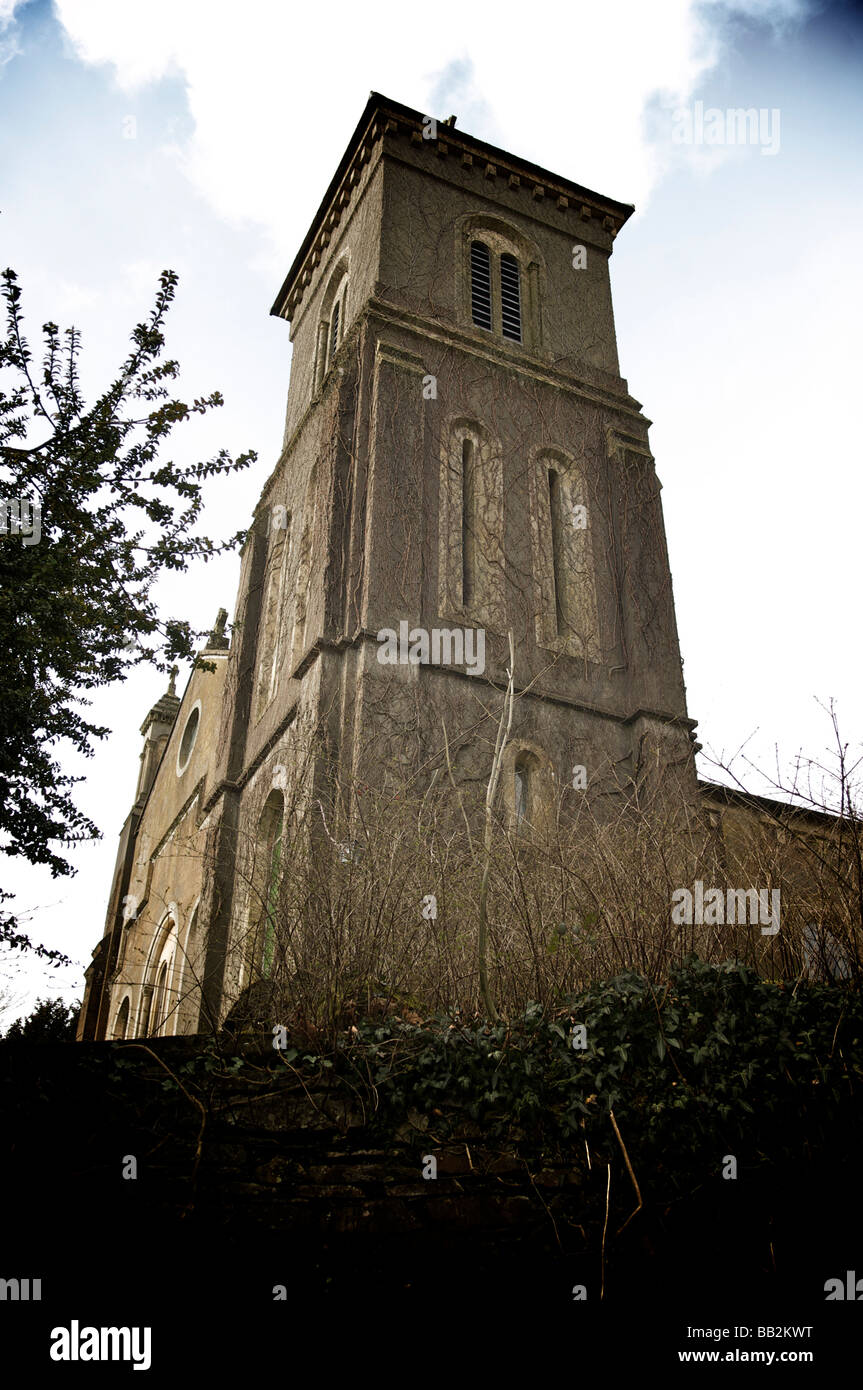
{"points": [[378, 901], [718, 1061]]}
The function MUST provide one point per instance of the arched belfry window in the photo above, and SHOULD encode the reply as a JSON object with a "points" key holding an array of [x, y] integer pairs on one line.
{"points": [[480, 284], [510, 297], [502, 274]]}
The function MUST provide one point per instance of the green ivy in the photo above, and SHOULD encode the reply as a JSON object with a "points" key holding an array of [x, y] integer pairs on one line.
{"points": [[717, 1061]]}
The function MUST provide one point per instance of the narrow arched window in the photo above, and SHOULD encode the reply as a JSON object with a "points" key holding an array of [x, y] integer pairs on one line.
{"points": [[510, 297], [272, 619], [521, 791], [271, 905], [265, 886], [468, 532], [122, 1023], [189, 985], [480, 284], [334, 329], [146, 1013], [159, 1000], [558, 579], [321, 355], [304, 571]]}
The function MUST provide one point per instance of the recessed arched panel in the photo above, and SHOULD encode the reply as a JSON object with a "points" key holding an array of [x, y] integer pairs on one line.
{"points": [[304, 570], [259, 947], [272, 625], [562, 531], [471, 519], [529, 786]]}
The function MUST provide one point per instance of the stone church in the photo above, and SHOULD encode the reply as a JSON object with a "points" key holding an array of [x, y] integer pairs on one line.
{"points": [[463, 468]]}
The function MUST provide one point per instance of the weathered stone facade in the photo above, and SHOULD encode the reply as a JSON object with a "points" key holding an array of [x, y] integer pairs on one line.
{"points": [[461, 455]]}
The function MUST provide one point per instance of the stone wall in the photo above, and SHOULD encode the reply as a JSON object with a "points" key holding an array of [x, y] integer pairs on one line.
{"points": [[258, 1177]]}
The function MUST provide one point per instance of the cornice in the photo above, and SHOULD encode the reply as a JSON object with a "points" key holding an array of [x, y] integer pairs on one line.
{"points": [[509, 359], [364, 635], [385, 313], [383, 117]]}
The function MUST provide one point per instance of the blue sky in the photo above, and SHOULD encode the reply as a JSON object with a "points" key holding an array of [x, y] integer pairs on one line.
{"points": [[202, 137]]}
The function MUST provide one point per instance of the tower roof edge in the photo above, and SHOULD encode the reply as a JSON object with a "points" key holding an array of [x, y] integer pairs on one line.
{"points": [[378, 105]]}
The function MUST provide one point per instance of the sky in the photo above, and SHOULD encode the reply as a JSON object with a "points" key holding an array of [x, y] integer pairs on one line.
{"points": [[200, 135]]}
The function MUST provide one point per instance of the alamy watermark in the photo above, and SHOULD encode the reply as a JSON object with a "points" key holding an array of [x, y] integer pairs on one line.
{"points": [[736, 125], [440, 647], [852, 1289], [21, 517], [20, 1290], [76, 1343], [715, 908]]}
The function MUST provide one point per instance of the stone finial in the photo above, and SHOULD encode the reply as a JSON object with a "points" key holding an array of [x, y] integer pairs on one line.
{"points": [[217, 640], [164, 712]]}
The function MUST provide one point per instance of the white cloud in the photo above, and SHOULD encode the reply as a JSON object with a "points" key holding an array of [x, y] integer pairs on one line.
{"points": [[8, 38], [274, 91], [7, 11], [778, 14]]}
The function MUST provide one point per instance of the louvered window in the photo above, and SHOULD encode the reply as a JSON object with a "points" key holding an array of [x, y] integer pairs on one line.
{"points": [[334, 330], [480, 284], [510, 298]]}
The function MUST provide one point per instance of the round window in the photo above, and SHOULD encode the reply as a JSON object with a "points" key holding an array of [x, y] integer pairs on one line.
{"points": [[187, 742]]}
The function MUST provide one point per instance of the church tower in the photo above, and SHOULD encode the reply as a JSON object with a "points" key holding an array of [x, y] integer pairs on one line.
{"points": [[462, 467]]}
